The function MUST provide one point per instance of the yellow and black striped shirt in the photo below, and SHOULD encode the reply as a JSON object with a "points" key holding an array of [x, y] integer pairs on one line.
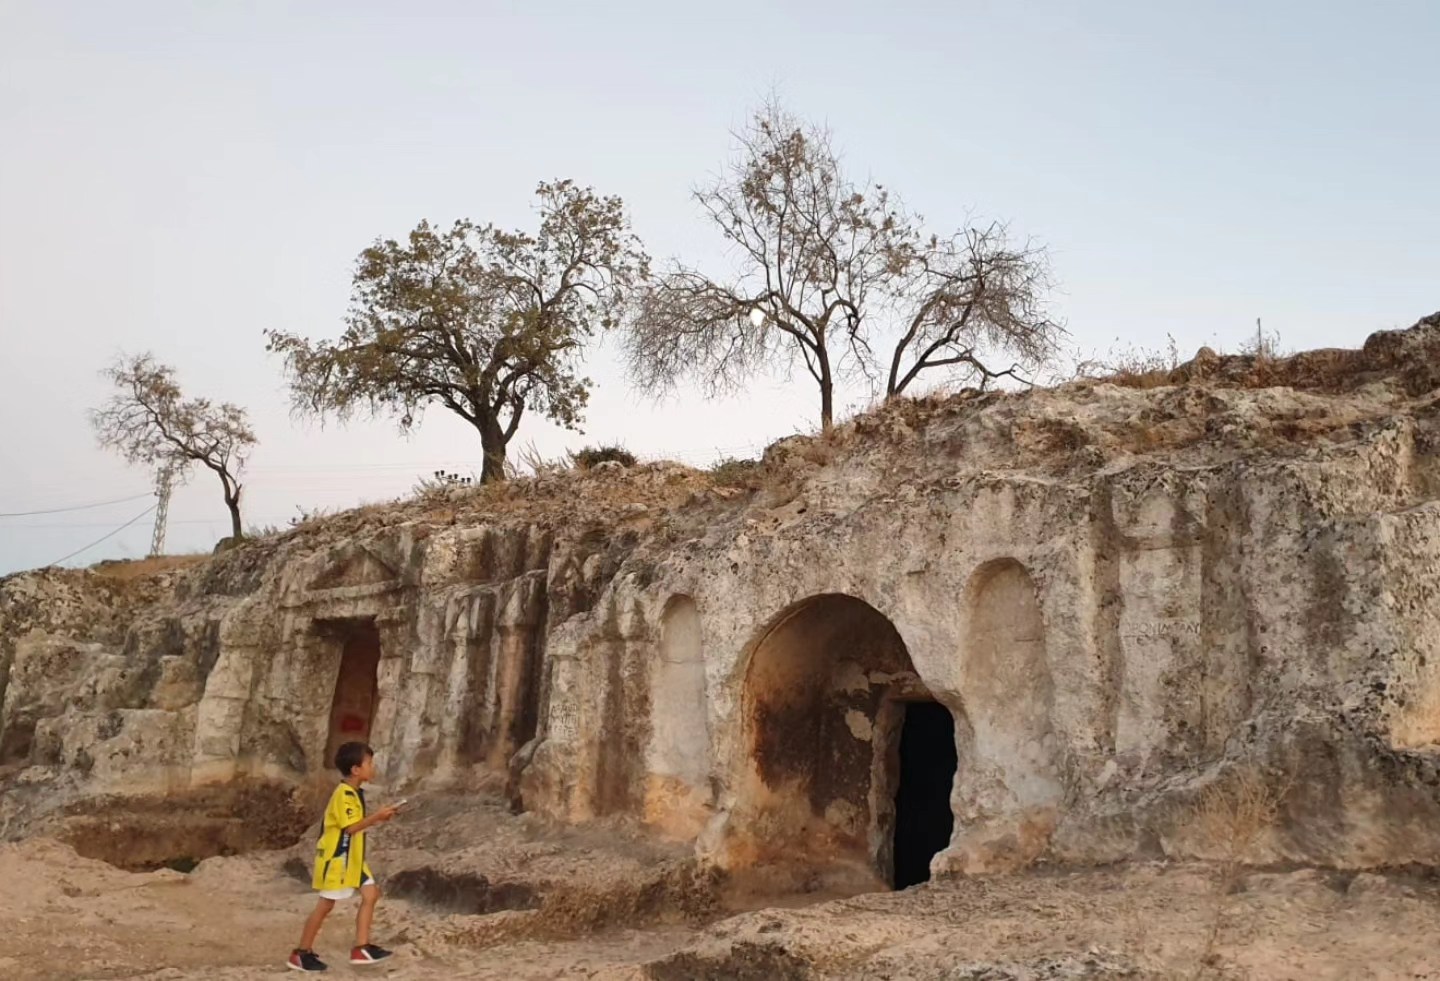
{"points": [[340, 857]]}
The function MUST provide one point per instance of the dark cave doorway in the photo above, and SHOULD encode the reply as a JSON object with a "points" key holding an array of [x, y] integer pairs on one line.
{"points": [[923, 818]]}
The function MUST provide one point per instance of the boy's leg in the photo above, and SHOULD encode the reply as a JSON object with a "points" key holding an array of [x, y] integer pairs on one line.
{"points": [[369, 896], [323, 907]]}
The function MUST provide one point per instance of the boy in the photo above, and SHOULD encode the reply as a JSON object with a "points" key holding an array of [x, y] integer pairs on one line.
{"points": [[340, 865]]}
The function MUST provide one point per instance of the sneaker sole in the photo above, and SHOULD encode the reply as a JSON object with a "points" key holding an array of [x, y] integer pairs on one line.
{"points": [[297, 967]]}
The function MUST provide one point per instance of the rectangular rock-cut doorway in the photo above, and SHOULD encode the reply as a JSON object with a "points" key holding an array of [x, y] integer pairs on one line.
{"points": [[923, 818], [357, 685]]}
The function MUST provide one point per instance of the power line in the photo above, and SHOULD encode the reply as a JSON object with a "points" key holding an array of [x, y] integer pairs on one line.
{"points": [[303, 477], [78, 507], [342, 471], [173, 521], [323, 467], [105, 536]]}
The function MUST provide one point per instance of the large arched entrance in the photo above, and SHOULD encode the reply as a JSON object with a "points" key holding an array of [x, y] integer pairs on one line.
{"points": [[829, 690]]}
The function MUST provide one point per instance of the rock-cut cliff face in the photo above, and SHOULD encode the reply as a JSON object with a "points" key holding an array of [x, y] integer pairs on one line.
{"points": [[952, 635]]}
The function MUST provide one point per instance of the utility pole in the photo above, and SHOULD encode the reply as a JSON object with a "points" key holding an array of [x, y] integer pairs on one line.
{"points": [[164, 481]]}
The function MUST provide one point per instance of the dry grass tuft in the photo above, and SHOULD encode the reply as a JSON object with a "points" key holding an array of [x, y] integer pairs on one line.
{"points": [[529, 461], [129, 570]]}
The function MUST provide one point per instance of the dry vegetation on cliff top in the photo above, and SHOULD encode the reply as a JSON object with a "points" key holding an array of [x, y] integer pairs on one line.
{"points": [[1206, 410]]}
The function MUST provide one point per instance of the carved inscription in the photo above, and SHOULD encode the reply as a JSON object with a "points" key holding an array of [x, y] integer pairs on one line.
{"points": [[562, 725], [1157, 629]]}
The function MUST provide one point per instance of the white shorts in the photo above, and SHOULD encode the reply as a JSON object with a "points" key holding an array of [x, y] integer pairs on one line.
{"points": [[338, 894]]}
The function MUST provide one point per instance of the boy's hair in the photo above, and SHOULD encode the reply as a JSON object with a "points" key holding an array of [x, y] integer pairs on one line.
{"points": [[351, 755]]}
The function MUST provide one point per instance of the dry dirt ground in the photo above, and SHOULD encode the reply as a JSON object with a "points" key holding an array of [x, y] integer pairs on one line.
{"points": [[491, 896]]}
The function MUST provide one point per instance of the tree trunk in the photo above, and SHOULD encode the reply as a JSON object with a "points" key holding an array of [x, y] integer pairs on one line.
{"points": [[234, 505], [827, 387], [827, 393], [232, 501], [893, 387], [493, 444]]}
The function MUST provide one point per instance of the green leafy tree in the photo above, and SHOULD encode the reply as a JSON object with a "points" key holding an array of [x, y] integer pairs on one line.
{"points": [[487, 323], [149, 421], [837, 277]]}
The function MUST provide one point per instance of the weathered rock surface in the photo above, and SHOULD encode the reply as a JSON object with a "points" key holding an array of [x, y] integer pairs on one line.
{"points": [[1124, 595]]}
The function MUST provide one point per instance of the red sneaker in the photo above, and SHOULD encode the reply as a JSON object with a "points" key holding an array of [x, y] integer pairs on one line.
{"points": [[305, 960], [368, 954]]}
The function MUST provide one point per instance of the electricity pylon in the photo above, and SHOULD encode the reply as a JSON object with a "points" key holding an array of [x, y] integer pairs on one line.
{"points": [[164, 481]]}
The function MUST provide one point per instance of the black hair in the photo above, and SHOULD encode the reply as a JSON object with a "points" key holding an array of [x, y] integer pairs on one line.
{"points": [[351, 755]]}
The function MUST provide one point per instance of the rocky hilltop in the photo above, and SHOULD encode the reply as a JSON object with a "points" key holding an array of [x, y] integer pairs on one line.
{"points": [[1070, 616]]}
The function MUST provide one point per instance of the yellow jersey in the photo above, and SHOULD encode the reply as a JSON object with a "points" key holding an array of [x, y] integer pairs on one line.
{"points": [[340, 857]]}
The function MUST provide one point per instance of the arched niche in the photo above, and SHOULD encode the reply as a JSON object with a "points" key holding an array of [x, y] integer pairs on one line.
{"points": [[1006, 681]]}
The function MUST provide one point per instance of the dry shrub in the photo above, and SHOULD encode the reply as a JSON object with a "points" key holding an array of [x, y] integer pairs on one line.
{"points": [[1229, 819], [1232, 814], [742, 474], [591, 456], [1132, 367]]}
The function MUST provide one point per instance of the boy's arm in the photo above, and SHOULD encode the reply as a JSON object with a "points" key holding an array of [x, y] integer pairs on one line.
{"points": [[379, 817]]}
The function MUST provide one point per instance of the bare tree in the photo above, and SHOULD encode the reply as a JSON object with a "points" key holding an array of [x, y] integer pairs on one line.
{"points": [[487, 323], [148, 421], [967, 300], [827, 270]]}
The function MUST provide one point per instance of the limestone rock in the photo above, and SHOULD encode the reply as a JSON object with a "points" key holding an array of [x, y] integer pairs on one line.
{"points": [[1130, 601]]}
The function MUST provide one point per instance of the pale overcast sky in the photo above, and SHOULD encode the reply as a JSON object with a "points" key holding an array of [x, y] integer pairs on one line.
{"points": [[178, 177]]}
